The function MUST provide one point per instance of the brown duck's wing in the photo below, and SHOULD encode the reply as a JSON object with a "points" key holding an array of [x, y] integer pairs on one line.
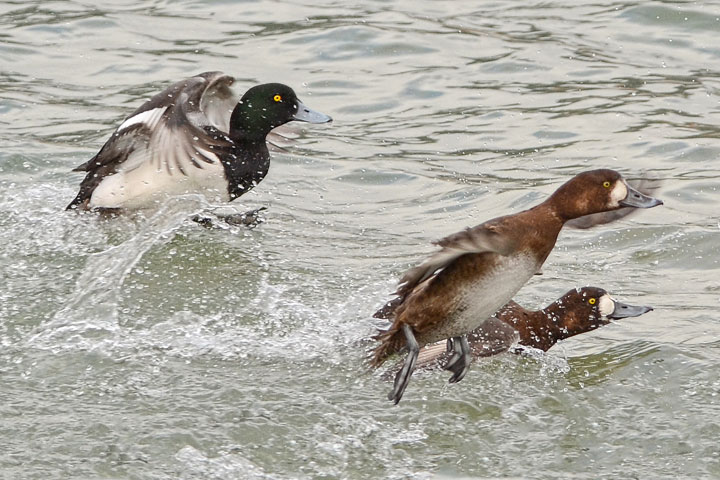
{"points": [[490, 338], [487, 237], [646, 186], [387, 310]]}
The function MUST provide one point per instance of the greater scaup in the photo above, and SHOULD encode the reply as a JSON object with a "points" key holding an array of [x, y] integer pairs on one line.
{"points": [[478, 270], [579, 311], [193, 137]]}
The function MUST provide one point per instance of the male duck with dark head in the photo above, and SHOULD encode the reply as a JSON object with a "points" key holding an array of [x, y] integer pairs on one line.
{"points": [[193, 137], [478, 270], [579, 311]]}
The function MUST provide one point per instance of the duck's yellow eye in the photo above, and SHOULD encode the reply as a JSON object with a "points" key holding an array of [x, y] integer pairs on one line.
{"points": [[606, 184], [592, 301], [277, 98]]}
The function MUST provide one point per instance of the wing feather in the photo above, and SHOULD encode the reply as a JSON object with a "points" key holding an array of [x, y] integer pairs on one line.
{"points": [[485, 238], [218, 101], [167, 132], [481, 239]]}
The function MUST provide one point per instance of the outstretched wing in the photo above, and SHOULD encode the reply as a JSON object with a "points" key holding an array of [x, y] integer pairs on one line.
{"points": [[487, 237], [176, 131]]}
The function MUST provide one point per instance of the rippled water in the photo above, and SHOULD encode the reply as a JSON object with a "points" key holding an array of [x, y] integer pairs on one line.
{"points": [[151, 348]]}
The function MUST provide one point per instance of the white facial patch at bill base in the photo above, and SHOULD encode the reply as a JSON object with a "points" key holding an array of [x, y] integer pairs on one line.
{"points": [[606, 305], [619, 193], [149, 117]]}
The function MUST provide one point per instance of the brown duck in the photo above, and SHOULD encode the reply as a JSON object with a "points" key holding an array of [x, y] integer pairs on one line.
{"points": [[579, 311], [478, 270]]}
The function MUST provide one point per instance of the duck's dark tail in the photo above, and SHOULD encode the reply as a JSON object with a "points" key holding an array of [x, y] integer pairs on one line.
{"points": [[79, 203], [391, 341]]}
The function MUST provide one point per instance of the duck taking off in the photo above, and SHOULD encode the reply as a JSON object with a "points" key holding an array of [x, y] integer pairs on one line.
{"points": [[478, 270], [580, 310], [193, 137]]}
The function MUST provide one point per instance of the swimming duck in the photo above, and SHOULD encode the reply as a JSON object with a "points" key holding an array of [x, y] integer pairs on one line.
{"points": [[193, 137], [578, 311], [478, 270]]}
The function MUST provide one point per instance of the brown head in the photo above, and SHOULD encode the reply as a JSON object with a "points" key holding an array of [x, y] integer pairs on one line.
{"points": [[597, 191], [578, 311]]}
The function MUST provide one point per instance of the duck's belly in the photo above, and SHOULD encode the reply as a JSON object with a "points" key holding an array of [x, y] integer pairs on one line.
{"points": [[147, 185], [478, 300]]}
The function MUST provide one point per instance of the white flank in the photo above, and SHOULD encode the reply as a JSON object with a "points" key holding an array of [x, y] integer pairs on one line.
{"points": [[489, 293], [606, 305], [146, 185], [149, 117]]}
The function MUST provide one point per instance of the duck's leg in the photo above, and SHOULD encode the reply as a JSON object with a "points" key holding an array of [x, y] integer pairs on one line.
{"points": [[454, 348], [459, 364], [248, 219], [403, 376], [203, 220]]}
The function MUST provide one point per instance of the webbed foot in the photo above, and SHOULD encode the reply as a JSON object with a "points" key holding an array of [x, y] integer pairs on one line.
{"points": [[460, 362], [403, 376], [249, 219]]}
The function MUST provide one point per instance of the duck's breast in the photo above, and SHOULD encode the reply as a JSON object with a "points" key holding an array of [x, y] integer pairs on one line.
{"points": [[479, 296]]}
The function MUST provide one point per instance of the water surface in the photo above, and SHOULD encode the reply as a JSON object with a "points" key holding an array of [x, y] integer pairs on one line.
{"points": [[151, 348]]}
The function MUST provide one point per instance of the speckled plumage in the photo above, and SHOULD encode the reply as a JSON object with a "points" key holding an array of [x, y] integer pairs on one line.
{"points": [[193, 137], [570, 315], [478, 270]]}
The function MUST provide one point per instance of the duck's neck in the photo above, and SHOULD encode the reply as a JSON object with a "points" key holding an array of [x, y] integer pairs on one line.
{"points": [[246, 165], [249, 160], [250, 126], [567, 205], [540, 329], [553, 323], [531, 326], [537, 329], [542, 225]]}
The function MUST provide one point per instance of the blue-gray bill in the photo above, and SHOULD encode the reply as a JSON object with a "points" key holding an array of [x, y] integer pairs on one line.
{"points": [[623, 310], [637, 199], [305, 114]]}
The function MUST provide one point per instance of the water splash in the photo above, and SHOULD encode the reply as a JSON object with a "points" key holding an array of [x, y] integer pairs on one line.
{"points": [[229, 464], [90, 315]]}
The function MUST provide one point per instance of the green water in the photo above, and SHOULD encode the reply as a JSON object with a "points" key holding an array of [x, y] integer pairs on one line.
{"points": [[151, 348]]}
